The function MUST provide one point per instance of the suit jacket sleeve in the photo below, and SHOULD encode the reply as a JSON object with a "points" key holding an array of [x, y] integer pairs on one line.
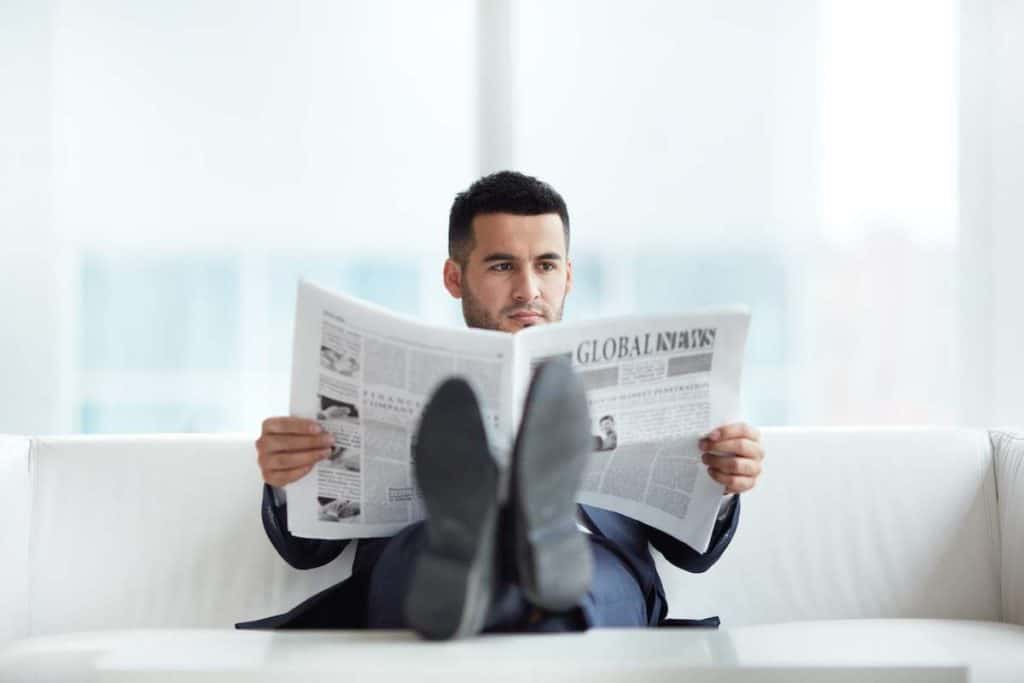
{"points": [[685, 557], [301, 553]]}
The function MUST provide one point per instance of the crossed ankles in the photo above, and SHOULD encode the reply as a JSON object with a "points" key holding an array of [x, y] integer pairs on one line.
{"points": [[454, 577]]}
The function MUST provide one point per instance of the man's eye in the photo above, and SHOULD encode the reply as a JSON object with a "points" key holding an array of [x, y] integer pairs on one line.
{"points": [[547, 266], [501, 267]]}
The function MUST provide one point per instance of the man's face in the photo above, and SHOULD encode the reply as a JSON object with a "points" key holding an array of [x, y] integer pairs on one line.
{"points": [[517, 274]]}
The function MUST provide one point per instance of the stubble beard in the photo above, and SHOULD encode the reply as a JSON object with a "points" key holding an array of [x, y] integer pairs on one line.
{"points": [[476, 315]]}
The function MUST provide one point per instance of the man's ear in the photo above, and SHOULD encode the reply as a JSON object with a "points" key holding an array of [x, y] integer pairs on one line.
{"points": [[568, 276], [453, 278]]}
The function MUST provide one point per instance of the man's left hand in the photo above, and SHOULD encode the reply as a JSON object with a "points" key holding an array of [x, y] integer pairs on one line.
{"points": [[733, 454]]}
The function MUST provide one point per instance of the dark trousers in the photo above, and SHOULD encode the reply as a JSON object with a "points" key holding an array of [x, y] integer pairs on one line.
{"points": [[614, 599]]}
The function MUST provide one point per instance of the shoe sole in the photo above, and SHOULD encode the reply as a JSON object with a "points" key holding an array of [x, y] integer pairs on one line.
{"points": [[450, 589], [551, 455]]}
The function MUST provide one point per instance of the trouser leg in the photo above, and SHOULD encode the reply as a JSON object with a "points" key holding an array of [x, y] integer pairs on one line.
{"points": [[390, 577], [614, 598], [392, 573]]}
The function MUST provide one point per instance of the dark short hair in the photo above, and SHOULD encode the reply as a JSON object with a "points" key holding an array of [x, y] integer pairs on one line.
{"points": [[501, 192]]}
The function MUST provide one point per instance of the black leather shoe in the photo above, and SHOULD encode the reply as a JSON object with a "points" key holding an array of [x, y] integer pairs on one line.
{"points": [[453, 579], [550, 456]]}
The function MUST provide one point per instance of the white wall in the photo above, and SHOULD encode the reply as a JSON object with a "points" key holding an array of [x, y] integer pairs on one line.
{"points": [[33, 358], [992, 215], [662, 120], [801, 132], [220, 123], [1007, 176]]}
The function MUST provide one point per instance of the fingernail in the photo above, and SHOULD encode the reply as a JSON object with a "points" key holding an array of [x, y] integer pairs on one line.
{"points": [[315, 428], [713, 436]]}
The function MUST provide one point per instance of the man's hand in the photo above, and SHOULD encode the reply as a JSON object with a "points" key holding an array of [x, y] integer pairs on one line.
{"points": [[289, 447], [733, 454]]}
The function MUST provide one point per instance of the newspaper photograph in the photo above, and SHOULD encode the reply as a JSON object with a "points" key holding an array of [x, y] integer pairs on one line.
{"points": [[655, 385]]}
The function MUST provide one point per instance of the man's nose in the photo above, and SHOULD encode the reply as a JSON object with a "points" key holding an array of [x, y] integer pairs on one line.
{"points": [[527, 287]]}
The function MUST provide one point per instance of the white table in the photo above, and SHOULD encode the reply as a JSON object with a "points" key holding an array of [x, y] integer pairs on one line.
{"points": [[826, 651]]}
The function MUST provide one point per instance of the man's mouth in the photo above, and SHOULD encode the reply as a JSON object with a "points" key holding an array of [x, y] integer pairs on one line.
{"points": [[527, 317]]}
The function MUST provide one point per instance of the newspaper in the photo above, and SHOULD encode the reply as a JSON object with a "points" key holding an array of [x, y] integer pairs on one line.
{"points": [[655, 385]]}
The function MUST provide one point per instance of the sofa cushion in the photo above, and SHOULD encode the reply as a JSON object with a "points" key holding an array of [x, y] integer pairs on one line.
{"points": [[1008, 455], [858, 523]]}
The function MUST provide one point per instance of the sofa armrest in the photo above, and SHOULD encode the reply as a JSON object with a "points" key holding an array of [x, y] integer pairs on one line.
{"points": [[1008, 456], [16, 497]]}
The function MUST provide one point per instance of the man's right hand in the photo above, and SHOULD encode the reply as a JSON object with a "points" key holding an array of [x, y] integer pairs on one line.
{"points": [[289, 447]]}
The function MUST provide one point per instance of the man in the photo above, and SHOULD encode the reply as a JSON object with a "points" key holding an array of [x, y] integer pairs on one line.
{"points": [[475, 564], [608, 439]]}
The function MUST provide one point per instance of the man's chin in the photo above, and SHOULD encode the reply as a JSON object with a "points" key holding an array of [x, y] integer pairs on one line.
{"points": [[511, 326]]}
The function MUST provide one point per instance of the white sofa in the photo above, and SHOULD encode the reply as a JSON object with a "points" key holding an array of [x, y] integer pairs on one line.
{"points": [[164, 532]]}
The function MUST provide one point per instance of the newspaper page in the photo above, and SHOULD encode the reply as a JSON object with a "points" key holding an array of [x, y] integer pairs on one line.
{"points": [[655, 386], [364, 373]]}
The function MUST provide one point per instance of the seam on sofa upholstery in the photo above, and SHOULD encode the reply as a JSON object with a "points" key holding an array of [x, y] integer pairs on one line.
{"points": [[997, 524], [998, 439], [994, 436], [33, 445]]}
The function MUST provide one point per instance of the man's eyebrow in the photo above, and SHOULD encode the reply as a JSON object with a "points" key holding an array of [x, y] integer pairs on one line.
{"points": [[549, 256], [499, 257]]}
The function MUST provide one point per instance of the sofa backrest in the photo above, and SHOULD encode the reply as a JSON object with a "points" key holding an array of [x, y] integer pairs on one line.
{"points": [[164, 531], [154, 531], [852, 523]]}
